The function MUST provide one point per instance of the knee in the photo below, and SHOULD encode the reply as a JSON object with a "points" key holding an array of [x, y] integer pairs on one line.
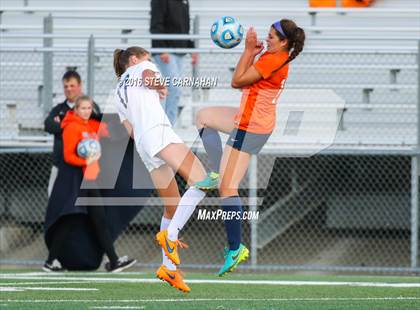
{"points": [[199, 119], [202, 119]]}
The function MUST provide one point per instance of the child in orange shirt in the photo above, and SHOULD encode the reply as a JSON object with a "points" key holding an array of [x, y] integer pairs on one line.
{"points": [[77, 126], [250, 126]]}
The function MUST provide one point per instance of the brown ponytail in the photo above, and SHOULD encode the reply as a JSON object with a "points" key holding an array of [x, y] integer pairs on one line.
{"points": [[122, 57], [117, 68], [295, 36]]}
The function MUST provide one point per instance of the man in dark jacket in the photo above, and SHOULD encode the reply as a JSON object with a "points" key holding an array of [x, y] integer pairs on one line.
{"points": [[171, 17], [72, 85]]}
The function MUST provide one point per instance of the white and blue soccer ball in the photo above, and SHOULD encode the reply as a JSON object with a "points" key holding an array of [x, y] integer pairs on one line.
{"points": [[88, 147], [227, 32]]}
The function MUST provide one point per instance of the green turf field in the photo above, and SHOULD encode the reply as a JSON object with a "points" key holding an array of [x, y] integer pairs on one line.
{"points": [[37, 290]]}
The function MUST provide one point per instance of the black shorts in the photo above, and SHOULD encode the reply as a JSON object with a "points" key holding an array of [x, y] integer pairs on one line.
{"points": [[247, 142]]}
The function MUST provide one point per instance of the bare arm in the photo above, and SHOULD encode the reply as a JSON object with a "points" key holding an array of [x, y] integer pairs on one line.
{"points": [[250, 63], [151, 80], [245, 74], [128, 127]]}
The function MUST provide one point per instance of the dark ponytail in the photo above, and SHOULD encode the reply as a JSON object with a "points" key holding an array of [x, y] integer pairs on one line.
{"points": [[122, 57], [298, 43], [295, 37]]}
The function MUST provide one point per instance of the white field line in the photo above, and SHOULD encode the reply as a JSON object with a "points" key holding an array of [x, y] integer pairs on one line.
{"points": [[236, 282], [42, 283], [96, 273], [117, 307], [8, 288], [70, 273], [206, 300]]}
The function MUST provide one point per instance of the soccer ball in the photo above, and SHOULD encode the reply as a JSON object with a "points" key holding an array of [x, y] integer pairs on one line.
{"points": [[227, 32], [88, 147]]}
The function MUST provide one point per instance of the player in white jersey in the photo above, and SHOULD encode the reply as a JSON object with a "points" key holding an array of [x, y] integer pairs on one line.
{"points": [[162, 151]]}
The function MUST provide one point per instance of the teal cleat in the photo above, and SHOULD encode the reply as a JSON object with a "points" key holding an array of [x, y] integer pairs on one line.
{"points": [[233, 259], [210, 182]]}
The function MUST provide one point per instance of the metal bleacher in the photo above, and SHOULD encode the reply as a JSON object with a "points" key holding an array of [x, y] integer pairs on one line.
{"points": [[376, 78]]}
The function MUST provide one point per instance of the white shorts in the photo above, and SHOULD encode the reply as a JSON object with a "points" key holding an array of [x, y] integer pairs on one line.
{"points": [[152, 142]]}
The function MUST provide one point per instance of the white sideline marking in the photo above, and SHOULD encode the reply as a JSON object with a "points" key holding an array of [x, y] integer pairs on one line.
{"points": [[10, 289], [208, 281], [20, 289], [207, 299], [71, 273], [43, 283], [95, 273], [117, 307]]}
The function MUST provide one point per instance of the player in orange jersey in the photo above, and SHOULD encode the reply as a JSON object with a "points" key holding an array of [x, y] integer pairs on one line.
{"points": [[250, 126]]}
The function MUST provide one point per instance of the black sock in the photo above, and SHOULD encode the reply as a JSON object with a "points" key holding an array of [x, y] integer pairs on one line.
{"points": [[233, 225]]}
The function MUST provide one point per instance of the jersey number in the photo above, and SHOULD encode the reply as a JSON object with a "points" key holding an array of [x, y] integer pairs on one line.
{"points": [[279, 93]]}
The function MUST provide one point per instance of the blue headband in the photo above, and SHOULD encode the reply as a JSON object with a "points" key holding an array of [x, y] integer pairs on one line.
{"points": [[278, 27]]}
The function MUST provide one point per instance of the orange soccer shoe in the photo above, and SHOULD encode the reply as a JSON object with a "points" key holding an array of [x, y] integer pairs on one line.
{"points": [[170, 247], [173, 277]]}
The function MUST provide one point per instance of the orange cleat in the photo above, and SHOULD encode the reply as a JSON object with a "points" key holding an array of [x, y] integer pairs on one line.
{"points": [[173, 277], [170, 247]]}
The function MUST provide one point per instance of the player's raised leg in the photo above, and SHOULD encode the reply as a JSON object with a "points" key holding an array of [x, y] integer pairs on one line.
{"points": [[210, 121]]}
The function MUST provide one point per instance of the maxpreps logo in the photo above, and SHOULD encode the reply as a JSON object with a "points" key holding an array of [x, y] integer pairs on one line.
{"points": [[217, 215]]}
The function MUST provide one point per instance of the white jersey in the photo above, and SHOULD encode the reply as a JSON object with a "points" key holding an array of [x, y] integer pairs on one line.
{"points": [[141, 106], [138, 104]]}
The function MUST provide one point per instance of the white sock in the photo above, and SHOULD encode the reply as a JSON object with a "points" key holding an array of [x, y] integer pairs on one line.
{"points": [[185, 209], [164, 223]]}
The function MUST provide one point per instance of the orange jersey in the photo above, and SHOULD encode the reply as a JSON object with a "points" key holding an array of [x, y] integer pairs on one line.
{"points": [[257, 113], [74, 130]]}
